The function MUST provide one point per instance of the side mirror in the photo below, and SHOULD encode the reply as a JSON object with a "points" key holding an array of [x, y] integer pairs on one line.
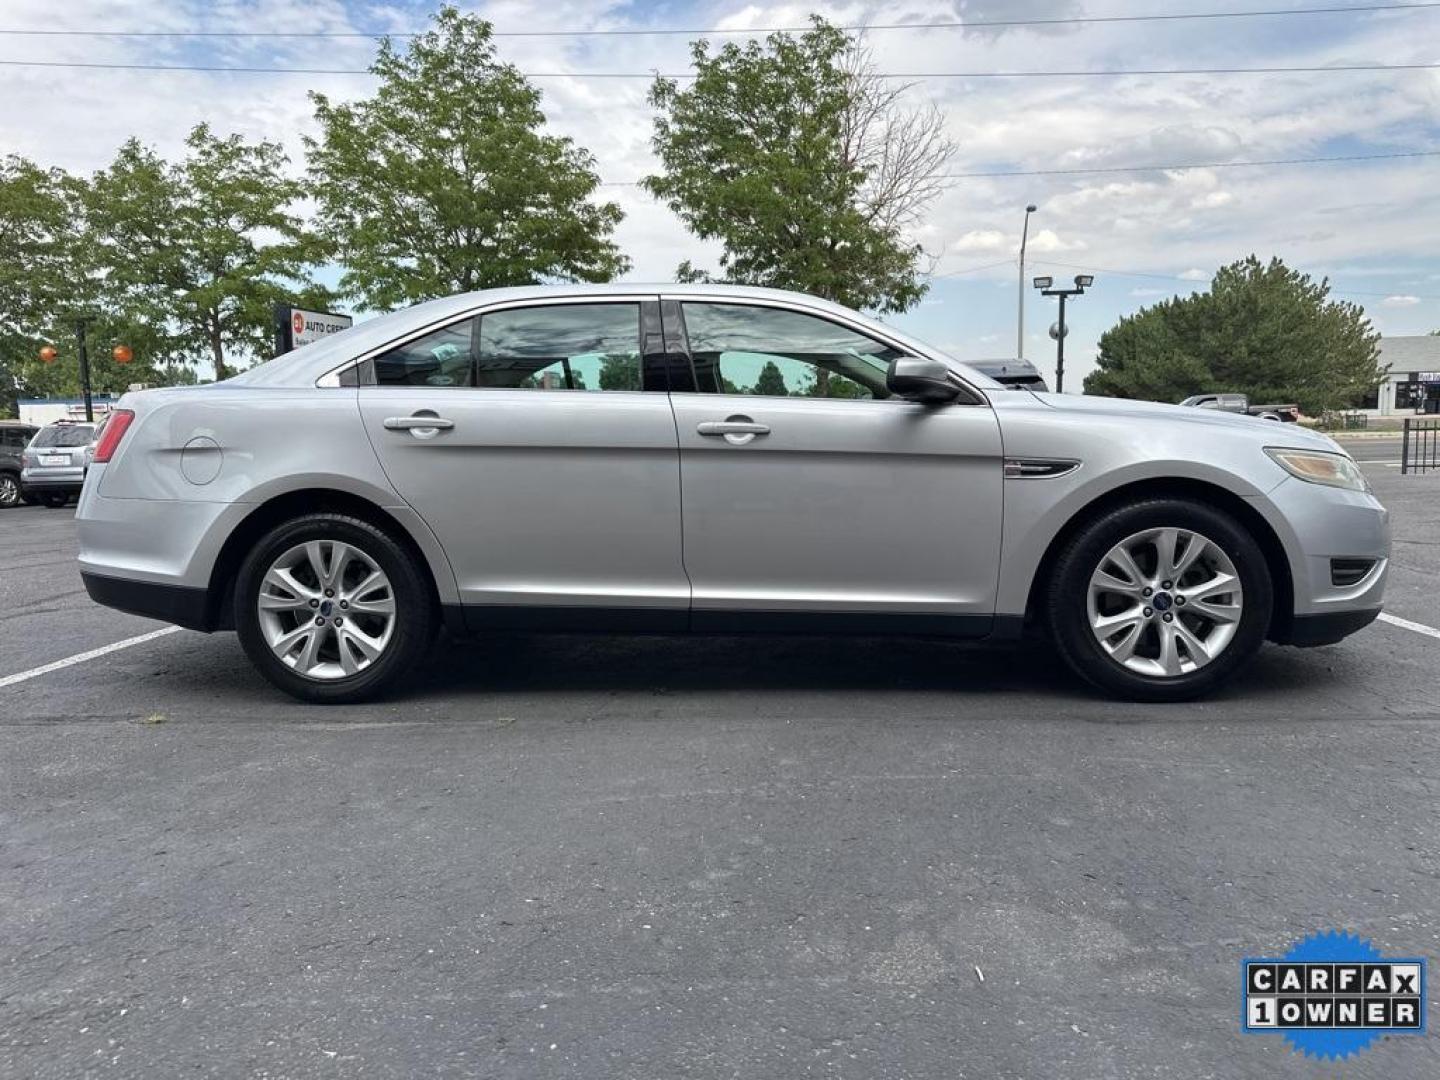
{"points": [[917, 379]]}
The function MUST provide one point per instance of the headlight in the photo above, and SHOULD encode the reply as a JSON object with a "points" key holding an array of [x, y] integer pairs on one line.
{"points": [[1319, 467]]}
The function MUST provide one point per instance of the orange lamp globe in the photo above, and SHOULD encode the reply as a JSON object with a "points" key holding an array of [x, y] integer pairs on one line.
{"points": [[122, 354], [49, 353]]}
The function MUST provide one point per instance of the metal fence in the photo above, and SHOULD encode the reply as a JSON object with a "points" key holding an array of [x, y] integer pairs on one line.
{"points": [[1420, 447]]}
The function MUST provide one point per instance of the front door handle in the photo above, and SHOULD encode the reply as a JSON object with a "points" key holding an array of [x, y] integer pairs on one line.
{"points": [[735, 429], [423, 425]]}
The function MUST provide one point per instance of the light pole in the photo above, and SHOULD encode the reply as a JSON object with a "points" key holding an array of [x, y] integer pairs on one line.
{"points": [[1082, 282], [1020, 326]]}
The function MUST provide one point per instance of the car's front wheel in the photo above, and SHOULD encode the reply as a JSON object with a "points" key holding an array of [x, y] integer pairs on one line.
{"points": [[332, 609], [1161, 600], [9, 490]]}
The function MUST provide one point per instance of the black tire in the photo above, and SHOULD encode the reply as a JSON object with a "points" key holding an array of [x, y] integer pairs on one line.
{"points": [[9, 490], [55, 501], [1068, 616], [415, 611]]}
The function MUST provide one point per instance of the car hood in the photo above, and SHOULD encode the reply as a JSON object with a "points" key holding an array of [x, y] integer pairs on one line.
{"points": [[1269, 431]]}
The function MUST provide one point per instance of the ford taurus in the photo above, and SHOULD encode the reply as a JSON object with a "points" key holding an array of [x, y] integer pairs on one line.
{"points": [[716, 460]]}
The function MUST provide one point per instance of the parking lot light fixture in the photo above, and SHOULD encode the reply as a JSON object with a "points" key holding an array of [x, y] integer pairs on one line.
{"points": [[1046, 287]]}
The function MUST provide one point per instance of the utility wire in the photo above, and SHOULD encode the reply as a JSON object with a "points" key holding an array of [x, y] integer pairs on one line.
{"points": [[1113, 73], [986, 24], [1197, 281], [1152, 168]]}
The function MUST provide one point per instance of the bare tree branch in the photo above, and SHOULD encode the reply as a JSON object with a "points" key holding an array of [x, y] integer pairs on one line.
{"points": [[903, 153]]}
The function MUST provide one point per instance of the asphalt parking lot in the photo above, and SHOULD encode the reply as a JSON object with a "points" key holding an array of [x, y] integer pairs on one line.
{"points": [[574, 857]]}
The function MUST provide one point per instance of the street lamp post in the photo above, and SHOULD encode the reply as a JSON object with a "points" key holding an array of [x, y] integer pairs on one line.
{"points": [[1082, 282], [1020, 324], [84, 357]]}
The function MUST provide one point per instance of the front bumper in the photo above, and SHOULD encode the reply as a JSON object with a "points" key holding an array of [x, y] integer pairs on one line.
{"points": [[1307, 631], [1317, 525]]}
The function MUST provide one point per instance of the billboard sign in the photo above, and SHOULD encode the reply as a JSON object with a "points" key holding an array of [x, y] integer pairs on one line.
{"points": [[297, 326]]}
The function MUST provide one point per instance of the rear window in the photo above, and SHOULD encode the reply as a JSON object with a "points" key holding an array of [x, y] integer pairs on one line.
{"points": [[65, 435]]}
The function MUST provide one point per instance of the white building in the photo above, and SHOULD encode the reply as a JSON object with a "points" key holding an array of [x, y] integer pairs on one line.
{"points": [[43, 411], [1414, 364]]}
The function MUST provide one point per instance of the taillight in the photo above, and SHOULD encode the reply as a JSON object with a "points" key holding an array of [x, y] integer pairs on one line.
{"points": [[114, 431]]}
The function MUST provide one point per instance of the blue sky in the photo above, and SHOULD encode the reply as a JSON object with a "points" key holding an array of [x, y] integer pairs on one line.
{"points": [[1369, 227]]}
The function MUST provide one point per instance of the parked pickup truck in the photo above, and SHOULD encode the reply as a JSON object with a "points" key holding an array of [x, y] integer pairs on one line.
{"points": [[1239, 403]]}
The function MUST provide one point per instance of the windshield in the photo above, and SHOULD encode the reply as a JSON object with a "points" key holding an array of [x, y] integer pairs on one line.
{"points": [[65, 435]]}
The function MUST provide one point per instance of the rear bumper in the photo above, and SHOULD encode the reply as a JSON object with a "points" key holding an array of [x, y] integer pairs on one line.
{"points": [[39, 485], [178, 604]]}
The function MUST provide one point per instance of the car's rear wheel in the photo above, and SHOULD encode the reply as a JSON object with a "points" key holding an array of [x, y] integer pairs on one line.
{"points": [[332, 609], [9, 490], [1161, 600]]}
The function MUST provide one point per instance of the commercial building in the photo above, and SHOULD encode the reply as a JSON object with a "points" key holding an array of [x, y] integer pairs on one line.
{"points": [[1414, 377]]}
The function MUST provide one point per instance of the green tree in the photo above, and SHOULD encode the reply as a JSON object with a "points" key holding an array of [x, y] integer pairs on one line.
{"points": [[1262, 329], [38, 212], [803, 163], [620, 371], [444, 182], [770, 382], [202, 249]]}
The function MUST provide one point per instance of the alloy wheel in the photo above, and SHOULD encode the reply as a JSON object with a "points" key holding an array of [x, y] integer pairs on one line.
{"points": [[1165, 602], [326, 609], [9, 490]]}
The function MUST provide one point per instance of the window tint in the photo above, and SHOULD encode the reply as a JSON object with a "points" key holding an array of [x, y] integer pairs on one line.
{"points": [[772, 352], [560, 347], [441, 358], [565, 347], [65, 435]]}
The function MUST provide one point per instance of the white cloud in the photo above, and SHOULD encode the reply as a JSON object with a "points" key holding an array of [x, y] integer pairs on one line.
{"points": [[983, 240], [1357, 218], [1400, 300]]}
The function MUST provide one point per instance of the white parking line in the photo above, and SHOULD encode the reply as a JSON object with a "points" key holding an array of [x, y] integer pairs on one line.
{"points": [[1406, 624], [92, 654], [105, 650]]}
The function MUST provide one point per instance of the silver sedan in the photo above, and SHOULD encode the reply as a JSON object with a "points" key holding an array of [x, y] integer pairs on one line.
{"points": [[715, 460]]}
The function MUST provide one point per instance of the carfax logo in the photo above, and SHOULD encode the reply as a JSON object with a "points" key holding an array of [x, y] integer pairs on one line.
{"points": [[1332, 995]]}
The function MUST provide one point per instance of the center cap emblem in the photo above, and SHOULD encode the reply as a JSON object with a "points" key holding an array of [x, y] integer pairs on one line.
{"points": [[326, 607], [1161, 601]]}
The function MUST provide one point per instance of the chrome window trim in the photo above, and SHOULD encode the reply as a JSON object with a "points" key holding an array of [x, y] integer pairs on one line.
{"points": [[863, 329], [331, 378]]}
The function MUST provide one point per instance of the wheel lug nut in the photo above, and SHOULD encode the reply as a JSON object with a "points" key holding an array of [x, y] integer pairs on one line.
{"points": [[1167, 585], [1179, 601], [338, 620], [1149, 612], [1168, 617], [314, 603], [1146, 591], [319, 621], [329, 592], [344, 605]]}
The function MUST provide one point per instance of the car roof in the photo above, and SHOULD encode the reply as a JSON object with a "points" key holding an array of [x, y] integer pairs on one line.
{"points": [[303, 366]]}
